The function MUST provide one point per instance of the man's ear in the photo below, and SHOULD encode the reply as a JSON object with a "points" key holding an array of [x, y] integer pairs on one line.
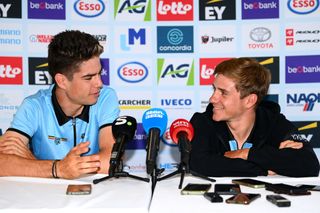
{"points": [[251, 100], [61, 80]]}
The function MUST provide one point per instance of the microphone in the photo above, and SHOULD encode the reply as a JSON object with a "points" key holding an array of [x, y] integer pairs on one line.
{"points": [[154, 122], [181, 133], [123, 129]]}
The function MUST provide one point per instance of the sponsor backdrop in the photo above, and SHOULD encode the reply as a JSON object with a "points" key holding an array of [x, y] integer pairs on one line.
{"points": [[162, 53]]}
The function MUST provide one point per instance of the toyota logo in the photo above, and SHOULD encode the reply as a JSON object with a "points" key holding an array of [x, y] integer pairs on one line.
{"points": [[260, 34]]}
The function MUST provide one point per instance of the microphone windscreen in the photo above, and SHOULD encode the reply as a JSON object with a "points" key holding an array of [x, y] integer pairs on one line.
{"points": [[126, 125], [181, 125], [155, 118]]}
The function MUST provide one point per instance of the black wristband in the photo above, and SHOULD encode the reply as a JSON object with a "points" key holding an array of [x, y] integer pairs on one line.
{"points": [[54, 169]]}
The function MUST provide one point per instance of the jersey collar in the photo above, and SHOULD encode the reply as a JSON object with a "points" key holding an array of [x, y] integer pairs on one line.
{"points": [[61, 116]]}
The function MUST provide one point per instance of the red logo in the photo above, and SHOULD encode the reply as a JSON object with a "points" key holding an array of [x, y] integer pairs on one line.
{"points": [[10, 70], [289, 32], [168, 10], [290, 37], [289, 41], [207, 67]]}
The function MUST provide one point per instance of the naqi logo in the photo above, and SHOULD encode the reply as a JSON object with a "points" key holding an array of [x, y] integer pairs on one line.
{"points": [[306, 101], [133, 72], [303, 7], [89, 8], [168, 10]]}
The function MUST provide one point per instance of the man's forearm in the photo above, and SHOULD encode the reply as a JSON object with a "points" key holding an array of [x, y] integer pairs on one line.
{"points": [[12, 165]]}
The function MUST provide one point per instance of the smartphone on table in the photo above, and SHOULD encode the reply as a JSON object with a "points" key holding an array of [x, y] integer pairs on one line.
{"points": [[227, 189], [278, 200], [79, 189], [195, 189], [213, 197], [253, 183], [281, 188], [309, 187], [243, 198]]}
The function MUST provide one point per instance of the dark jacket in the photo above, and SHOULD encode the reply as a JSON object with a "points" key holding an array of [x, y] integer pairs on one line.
{"points": [[211, 138]]}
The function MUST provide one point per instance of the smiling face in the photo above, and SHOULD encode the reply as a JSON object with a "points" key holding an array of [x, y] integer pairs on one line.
{"points": [[227, 105], [86, 83]]}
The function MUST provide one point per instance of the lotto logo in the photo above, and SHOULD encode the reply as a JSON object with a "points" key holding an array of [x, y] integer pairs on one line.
{"points": [[175, 10], [10, 70]]}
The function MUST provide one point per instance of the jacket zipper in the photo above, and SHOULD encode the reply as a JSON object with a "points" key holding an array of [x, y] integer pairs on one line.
{"points": [[74, 132]]}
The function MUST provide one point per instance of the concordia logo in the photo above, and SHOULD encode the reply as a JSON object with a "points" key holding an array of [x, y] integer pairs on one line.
{"points": [[89, 10], [303, 7]]}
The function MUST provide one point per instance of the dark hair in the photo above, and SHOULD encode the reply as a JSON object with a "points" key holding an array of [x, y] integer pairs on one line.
{"points": [[68, 49], [250, 77]]}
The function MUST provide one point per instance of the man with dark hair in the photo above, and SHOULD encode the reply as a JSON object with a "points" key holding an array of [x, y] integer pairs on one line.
{"points": [[64, 131], [239, 134]]}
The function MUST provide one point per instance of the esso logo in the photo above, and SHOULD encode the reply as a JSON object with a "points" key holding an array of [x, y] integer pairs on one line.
{"points": [[166, 138], [303, 6], [89, 8], [133, 72]]}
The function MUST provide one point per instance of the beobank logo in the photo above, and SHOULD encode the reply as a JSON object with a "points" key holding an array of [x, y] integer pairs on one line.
{"points": [[89, 8], [207, 67], [10, 70], [133, 72], [303, 7], [168, 10]]}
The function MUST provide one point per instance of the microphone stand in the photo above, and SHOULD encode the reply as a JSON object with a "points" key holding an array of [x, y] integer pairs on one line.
{"points": [[120, 173], [152, 153], [183, 168]]}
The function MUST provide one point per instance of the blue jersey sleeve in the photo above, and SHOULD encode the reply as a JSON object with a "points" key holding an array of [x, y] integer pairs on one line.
{"points": [[27, 117], [107, 107]]}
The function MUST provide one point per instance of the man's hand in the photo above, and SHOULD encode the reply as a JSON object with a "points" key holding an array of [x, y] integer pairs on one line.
{"points": [[74, 165], [291, 144], [241, 153], [15, 146]]}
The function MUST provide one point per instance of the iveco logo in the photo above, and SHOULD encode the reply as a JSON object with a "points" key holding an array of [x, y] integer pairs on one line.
{"points": [[175, 36], [260, 34], [89, 8], [133, 72]]}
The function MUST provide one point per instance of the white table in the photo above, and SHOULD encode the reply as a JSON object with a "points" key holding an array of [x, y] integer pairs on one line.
{"points": [[49, 195], [167, 197]]}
